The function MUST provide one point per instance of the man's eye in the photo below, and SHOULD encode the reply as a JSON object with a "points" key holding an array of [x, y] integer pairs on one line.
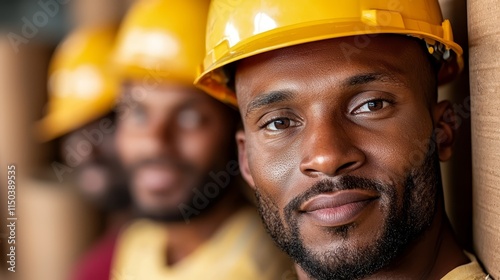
{"points": [[278, 124], [372, 106], [138, 115], [190, 119]]}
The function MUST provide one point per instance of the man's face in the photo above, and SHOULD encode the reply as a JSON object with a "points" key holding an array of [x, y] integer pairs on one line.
{"points": [[99, 174], [336, 145], [170, 137]]}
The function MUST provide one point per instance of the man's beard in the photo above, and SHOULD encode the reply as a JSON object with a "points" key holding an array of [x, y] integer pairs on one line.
{"points": [[197, 181], [405, 222], [174, 214], [113, 195], [116, 195], [116, 199]]}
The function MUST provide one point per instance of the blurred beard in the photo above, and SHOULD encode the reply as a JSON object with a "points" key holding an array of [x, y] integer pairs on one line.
{"points": [[403, 225], [193, 199], [175, 213], [115, 195], [116, 199]]}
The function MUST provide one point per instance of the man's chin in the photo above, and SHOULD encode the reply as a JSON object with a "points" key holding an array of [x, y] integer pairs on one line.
{"points": [[163, 215]]}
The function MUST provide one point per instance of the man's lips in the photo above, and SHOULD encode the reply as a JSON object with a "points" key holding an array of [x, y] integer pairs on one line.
{"points": [[157, 179], [337, 208], [335, 199]]}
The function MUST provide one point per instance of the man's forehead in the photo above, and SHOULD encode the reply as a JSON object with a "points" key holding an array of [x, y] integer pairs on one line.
{"points": [[386, 58], [344, 47]]}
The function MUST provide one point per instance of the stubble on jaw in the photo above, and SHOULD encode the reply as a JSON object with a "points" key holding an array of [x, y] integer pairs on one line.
{"points": [[405, 222]]}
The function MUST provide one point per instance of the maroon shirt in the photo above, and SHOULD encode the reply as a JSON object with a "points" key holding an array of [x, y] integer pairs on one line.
{"points": [[96, 262]]}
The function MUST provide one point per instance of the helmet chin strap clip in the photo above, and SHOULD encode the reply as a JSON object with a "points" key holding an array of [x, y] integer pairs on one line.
{"points": [[439, 51]]}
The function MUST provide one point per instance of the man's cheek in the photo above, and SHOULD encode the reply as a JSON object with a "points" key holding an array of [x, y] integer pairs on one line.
{"points": [[272, 171], [394, 151]]}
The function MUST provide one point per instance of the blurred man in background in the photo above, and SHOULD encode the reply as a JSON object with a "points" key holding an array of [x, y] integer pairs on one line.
{"points": [[82, 94], [178, 147]]}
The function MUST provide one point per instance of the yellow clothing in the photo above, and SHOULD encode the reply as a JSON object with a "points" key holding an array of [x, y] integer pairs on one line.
{"points": [[240, 249], [470, 271]]}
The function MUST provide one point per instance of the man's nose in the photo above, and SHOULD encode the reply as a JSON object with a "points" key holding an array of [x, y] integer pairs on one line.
{"points": [[328, 149], [159, 136]]}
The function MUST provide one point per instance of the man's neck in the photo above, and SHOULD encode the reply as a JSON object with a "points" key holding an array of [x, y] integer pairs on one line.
{"points": [[184, 238], [432, 256], [117, 218]]}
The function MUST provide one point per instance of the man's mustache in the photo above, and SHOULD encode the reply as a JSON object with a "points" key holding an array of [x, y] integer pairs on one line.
{"points": [[162, 161], [95, 162], [328, 185]]}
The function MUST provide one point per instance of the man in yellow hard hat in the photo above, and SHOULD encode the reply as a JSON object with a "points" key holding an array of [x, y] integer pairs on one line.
{"points": [[82, 95], [178, 146], [342, 130]]}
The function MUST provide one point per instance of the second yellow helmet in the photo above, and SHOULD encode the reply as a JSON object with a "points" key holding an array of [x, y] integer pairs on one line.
{"points": [[163, 39]]}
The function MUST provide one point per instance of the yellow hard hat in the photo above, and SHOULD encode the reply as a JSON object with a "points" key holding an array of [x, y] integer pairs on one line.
{"points": [[81, 86], [162, 39], [237, 29]]}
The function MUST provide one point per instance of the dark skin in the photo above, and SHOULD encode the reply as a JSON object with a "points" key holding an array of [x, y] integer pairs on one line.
{"points": [[312, 113], [170, 137], [99, 174]]}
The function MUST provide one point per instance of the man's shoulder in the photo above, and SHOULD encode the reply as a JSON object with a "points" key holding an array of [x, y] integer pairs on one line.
{"points": [[244, 240], [470, 271], [239, 249]]}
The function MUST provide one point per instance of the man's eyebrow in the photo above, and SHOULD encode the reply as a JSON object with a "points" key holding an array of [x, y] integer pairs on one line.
{"points": [[268, 99], [363, 79], [284, 95]]}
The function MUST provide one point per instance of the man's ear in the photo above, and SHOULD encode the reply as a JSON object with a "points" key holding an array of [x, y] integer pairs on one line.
{"points": [[445, 125], [243, 158]]}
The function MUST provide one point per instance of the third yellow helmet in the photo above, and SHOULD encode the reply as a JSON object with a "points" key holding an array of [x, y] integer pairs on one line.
{"points": [[81, 85]]}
